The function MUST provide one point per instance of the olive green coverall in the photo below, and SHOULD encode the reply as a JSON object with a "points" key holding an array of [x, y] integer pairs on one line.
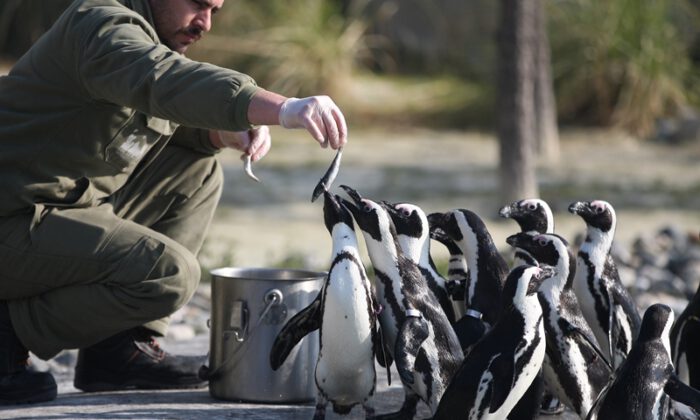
{"points": [[104, 201]]}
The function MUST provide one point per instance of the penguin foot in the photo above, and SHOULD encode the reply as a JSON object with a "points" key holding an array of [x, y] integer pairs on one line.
{"points": [[407, 411], [369, 411], [320, 413], [399, 415]]}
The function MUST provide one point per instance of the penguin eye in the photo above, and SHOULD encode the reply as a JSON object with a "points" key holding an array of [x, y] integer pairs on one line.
{"points": [[541, 241], [367, 208], [531, 206], [405, 212], [599, 209]]}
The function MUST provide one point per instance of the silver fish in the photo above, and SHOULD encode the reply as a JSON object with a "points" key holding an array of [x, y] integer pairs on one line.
{"points": [[325, 183], [247, 166]]}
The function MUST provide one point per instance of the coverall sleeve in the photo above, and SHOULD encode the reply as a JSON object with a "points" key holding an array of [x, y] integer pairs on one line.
{"points": [[120, 60]]}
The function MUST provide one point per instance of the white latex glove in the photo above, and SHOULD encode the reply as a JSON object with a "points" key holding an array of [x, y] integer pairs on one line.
{"points": [[320, 116], [255, 142]]}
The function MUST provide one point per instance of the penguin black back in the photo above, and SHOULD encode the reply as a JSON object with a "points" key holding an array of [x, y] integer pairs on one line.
{"points": [[685, 342], [646, 380]]}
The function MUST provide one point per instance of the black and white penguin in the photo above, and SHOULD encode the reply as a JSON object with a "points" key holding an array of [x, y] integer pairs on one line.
{"points": [[575, 369], [487, 268], [413, 232], [346, 315], [606, 304], [685, 343], [502, 365], [416, 330], [645, 383]]}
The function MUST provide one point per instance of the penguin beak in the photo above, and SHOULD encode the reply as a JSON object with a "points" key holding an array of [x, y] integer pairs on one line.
{"points": [[354, 195], [543, 273], [518, 240], [581, 208], [437, 229], [391, 209], [355, 205], [506, 211]]}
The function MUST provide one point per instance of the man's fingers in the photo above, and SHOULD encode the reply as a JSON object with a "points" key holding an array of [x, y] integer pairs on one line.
{"points": [[260, 142], [332, 136], [342, 127], [313, 128]]}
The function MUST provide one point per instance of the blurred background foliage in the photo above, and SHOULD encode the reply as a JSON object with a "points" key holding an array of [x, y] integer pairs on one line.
{"points": [[432, 62]]}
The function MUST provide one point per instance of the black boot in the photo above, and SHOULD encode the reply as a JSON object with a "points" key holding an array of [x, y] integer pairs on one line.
{"points": [[17, 384], [133, 360]]}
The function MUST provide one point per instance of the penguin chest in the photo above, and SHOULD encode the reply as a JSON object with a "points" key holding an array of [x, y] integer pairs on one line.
{"points": [[345, 368], [593, 301]]}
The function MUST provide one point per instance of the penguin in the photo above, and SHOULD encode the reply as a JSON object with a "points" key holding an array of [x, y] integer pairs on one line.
{"points": [[685, 343], [417, 333], [457, 269], [413, 232], [487, 268], [346, 315], [532, 215], [606, 304], [645, 384], [502, 365], [575, 370]]}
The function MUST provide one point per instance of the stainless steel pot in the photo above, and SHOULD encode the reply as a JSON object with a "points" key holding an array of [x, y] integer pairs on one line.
{"points": [[249, 308]]}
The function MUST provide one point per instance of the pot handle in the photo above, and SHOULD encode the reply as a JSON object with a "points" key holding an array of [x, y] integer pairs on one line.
{"points": [[238, 322]]}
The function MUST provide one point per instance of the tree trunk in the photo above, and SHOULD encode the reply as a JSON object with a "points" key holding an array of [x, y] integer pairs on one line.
{"points": [[515, 113], [546, 130]]}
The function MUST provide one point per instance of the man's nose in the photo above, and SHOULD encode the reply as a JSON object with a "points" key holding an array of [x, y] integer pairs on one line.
{"points": [[203, 20]]}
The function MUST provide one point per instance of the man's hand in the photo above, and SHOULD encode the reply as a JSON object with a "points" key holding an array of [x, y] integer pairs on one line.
{"points": [[319, 115], [255, 142]]}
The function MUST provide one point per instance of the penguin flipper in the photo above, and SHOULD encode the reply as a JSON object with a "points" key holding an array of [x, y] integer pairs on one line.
{"points": [[383, 357], [469, 330], [683, 393], [304, 322], [413, 332], [503, 370], [590, 341]]}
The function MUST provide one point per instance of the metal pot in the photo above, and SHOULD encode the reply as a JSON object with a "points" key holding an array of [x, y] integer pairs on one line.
{"points": [[249, 308]]}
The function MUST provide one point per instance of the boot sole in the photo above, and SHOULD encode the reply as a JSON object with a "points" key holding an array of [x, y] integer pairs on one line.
{"points": [[133, 384], [37, 397]]}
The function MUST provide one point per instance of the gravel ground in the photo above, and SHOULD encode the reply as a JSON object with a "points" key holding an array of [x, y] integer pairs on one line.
{"points": [[194, 404]]}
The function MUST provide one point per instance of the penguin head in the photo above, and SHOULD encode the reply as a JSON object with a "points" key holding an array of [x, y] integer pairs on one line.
{"points": [[334, 212], [438, 233], [656, 324], [409, 219], [597, 214], [525, 280], [369, 215], [412, 229], [546, 248], [531, 215]]}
